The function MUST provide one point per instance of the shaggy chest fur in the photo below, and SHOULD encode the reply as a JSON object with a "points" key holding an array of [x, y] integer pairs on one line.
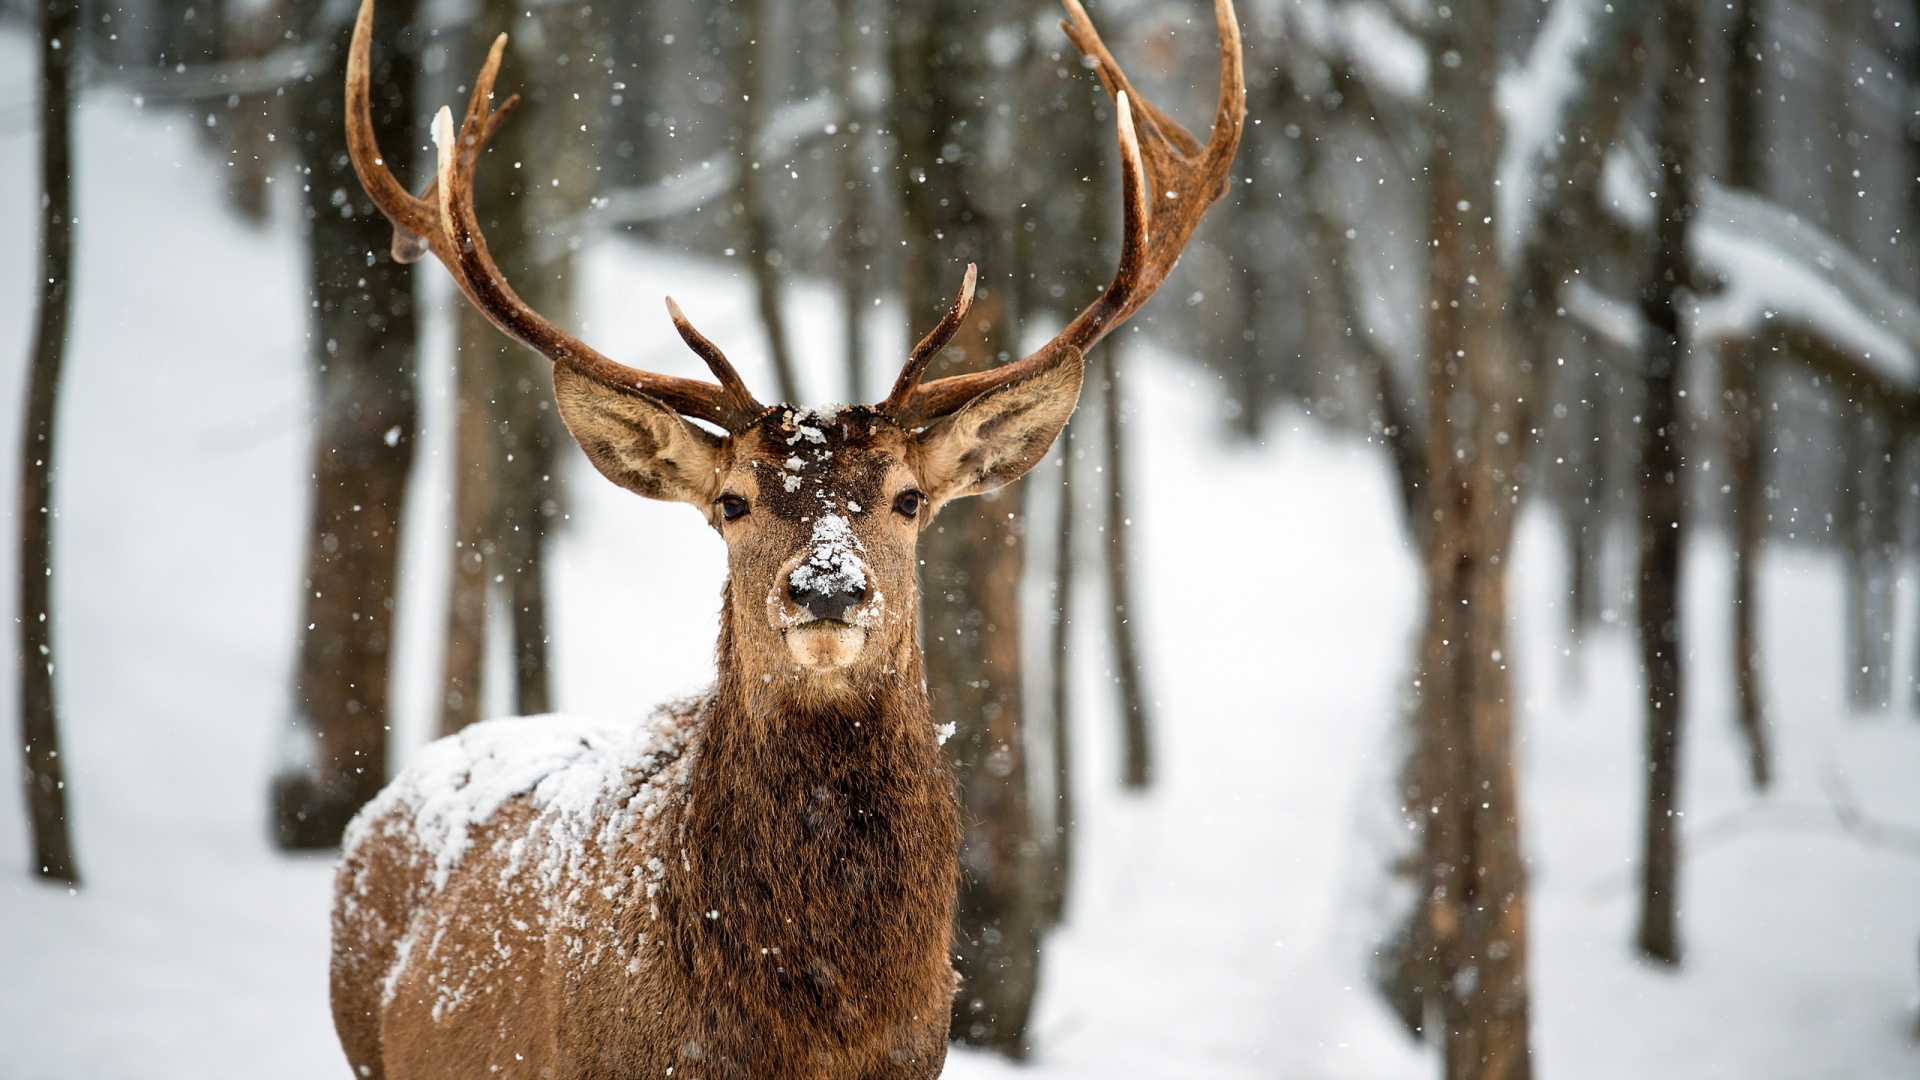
{"points": [[708, 893]]}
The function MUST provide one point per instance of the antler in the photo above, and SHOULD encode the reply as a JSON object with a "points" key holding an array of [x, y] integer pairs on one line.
{"points": [[1168, 180], [442, 220]]}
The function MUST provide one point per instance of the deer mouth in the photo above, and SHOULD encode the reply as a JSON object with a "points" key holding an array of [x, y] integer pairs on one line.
{"points": [[825, 644]]}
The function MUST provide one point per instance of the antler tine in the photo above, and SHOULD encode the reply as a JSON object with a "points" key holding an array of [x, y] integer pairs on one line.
{"points": [[411, 217], [717, 362], [1168, 178], [930, 346], [443, 221]]}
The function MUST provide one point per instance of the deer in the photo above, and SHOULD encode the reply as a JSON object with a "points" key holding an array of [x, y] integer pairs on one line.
{"points": [[758, 881]]}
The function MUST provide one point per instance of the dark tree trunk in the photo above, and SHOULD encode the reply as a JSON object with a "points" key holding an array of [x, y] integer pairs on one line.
{"points": [[760, 223], [44, 772], [1060, 705], [1463, 960], [363, 342], [955, 203], [1866, 525], [1746, 415], [476, 491], [1066, 225], [537, 174], [1662, 490], [1137, 760], [853, 241], [1746, 425]]}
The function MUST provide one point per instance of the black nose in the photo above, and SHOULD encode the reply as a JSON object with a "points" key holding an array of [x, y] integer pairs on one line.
{"points": [[829, 599]]}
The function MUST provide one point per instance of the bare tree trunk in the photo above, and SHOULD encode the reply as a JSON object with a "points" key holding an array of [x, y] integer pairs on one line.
{"points": [[506, 491], [555, 137], [1060, 867], [363, 343], [1066, 225], [761, 226], [1869, 553], [1462, 962], [1662, 491], [44, 773], [1746, 421], [852, 240], [476, 490], [1137, 762], [1746, 415], [955, 165]]}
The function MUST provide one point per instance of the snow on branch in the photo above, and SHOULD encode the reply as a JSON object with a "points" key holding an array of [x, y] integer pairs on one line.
{"points": [[1780, 272], [1370, 39], [1538, 102], [197, 82], [792, 124]]}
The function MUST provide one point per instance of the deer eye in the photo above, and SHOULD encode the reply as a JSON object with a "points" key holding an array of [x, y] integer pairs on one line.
{"points": [[732, 507], [908, 504]]}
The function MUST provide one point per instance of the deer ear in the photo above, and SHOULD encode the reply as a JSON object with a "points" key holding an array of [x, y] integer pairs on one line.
{"points": [[995, 438], [637, 442]]}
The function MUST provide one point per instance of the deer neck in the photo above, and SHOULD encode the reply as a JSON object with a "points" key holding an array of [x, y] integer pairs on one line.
{"points": [[820, 834]]}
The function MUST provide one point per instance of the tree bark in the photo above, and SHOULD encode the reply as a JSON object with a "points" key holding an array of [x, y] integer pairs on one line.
{"points": [[853, 241], [1746, 423], [1462, 962], [1662, 490], [1135, 727], [538, 172], [1060, 705], [44, 772], [953, 145], [362, 343], [476, 490], [1746, 414], [1866, 520], [760, 224]]}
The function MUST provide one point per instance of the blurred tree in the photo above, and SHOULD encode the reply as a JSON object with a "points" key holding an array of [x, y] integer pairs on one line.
{"points": [[1067, 221], [1136, 759], [538, 176], [44, 774], [1463, 963], [953, 62], [362, 343], [1661, 479], [753, 100], [1740, 381]]}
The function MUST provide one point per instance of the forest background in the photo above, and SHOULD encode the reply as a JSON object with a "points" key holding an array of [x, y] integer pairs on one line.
{"points": [[1469, 627]]}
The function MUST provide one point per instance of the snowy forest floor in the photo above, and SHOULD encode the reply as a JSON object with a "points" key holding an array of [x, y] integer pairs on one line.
{"points": [[1218, 928]]}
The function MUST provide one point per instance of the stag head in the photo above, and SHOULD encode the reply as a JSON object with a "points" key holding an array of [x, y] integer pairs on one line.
{"points": [[820, 509]]}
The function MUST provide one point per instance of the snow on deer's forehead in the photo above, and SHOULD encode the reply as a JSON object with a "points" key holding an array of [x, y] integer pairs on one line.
{"points": [[822, 460]]}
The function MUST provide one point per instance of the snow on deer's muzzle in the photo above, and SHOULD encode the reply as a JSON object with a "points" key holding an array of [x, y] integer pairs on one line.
{"points": [[829, 597]]}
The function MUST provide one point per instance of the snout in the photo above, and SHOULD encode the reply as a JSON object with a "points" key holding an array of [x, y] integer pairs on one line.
{"points": [[824, 596], [823, 603]]}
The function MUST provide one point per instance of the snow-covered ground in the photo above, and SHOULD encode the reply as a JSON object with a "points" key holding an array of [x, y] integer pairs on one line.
{"points": [[1218, 928]]}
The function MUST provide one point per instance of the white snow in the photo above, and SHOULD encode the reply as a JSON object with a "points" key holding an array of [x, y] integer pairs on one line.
{"points": [[833, 563], [569, 767], [1392, 60], [1216, 925], [1533, 101], [1776, 266]]}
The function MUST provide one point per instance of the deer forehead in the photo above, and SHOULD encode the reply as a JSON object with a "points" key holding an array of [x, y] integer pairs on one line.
{"points": [[797, 466]]}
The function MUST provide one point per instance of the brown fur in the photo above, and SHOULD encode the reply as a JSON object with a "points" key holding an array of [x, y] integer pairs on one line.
{"points": [[796, 923]]}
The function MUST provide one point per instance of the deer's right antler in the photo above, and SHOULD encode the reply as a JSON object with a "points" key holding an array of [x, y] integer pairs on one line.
{"points": [[442, 220], [1168, 180]]}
